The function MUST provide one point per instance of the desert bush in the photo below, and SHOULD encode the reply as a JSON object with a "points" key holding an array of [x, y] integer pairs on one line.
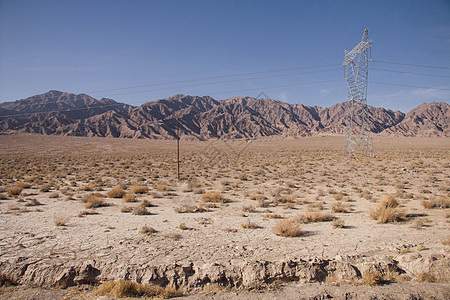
{"points": [[140, 211], [61, 220], [288, 228], [213, 197], [139, 189], [87, 212], [88, 187], [446, 241], [15, 190], [127, 288], [250, 225], [93, 202], [147, 230], [126, 209], [315, 216], [248, 208], [339, 207], [183, 226], [33, 202], [117, 192], [387, 211], [45, 188], [162, 187], [129, 197], [426, 277], [273, 216], [436, 202], [54, 195], [372, 278], [338, 223], [146, 203], [189, 209]]}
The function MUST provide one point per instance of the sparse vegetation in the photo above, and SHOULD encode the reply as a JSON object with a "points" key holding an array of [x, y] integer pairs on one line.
{"points": [[127, 288], [117, 192], [387, 211], [288, 228]]}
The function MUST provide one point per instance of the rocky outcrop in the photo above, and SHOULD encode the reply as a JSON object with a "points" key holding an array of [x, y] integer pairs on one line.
{"points": [[204, 118], [251, 274]]}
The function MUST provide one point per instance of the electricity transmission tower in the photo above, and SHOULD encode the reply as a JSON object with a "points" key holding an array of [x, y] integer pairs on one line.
{"points": [[357, 132]]}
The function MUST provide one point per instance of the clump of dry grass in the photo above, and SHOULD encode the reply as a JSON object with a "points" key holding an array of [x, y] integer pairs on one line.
{"points": [[116, 192], [387, 211], [250, 225], [15, 190], [129, 197], [61, 220], [439, 202], [183, 226], [248, 208], [189, 209], [94, 201], [215, 197], [126, 209], [339, 207], [315, 216], [147, 230], [87, 212], [273, 216], [33, 202], [127, 288], [140, 211], [426, 277], [338, 223], [288, 228], [372, 278], [146, 203], [139, 189]]}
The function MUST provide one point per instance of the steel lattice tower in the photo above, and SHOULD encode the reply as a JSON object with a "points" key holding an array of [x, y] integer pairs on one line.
{"points": [[357, 132]]}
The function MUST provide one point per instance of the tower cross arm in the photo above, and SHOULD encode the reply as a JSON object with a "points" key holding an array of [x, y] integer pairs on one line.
{"points": [[361, 47]]}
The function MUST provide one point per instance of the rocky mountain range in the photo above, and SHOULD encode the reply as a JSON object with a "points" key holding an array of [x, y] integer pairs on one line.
{"points": [[204, 118]]}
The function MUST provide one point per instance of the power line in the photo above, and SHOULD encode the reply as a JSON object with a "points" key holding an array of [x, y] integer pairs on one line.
{"points": [[215, 77], [411, 86], [408, 64], [413, 73], [218, 82]]}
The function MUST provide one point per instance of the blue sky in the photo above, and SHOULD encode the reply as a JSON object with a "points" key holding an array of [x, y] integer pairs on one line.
{"points": [[103, 48]]}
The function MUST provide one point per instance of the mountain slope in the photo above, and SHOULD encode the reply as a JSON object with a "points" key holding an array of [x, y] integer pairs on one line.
{"points": [[204, 118]]}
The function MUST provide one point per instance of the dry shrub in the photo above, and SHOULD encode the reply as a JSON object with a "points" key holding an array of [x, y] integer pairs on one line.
{"points": [[140, 211], [33, 202], [127, 288], [162, 187], [87, 212], [439, 202], [93, 202], [250, 225], [387, 211], [372, 278], [139, 189], [338, 223], [117, 192], [147, 230], [288, 228], [54, 195], [146, 203], [129, 197], [213, 197], [315, 206], [88, 187], [15, 190], [61, 220], [249, 209], [315, 216], [126, 209], [339, 207], [426, 277], [183, 226], [189, 209], [173, 236], [273, 216]]}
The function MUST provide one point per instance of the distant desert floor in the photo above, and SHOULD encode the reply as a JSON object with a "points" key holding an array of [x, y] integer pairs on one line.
{"points": [[80, 210]]}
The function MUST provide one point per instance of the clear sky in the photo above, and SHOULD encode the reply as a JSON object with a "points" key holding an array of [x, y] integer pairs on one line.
{"points": [[103, 48]]}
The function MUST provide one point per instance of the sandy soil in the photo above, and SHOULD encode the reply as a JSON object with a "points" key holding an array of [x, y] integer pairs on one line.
{"points": [[256, 181]]}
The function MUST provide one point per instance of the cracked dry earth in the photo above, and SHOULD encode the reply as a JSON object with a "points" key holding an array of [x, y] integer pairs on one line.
{"points": [[214, 227]]}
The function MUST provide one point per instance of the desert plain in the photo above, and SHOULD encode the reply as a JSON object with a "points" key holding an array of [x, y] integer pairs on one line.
{"points": [[244, 216]]}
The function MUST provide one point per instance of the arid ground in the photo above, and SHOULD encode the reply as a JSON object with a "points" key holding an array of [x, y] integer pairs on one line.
{"points": [[244, 215]]}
